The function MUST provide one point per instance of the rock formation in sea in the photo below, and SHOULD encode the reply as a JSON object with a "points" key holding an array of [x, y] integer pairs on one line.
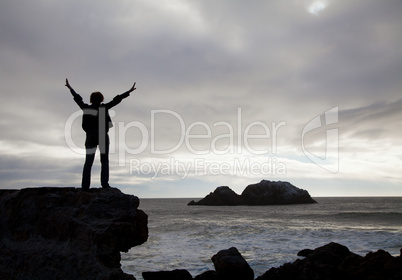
{"points": [[262, 193], [221, 196], [269, 192], [67, 233]]}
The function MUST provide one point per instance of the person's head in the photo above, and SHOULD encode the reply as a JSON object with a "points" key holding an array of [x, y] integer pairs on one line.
{"points": [[96, 97]]}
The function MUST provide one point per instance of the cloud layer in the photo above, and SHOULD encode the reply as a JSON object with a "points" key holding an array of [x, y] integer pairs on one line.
{"points": [[206, 66]]}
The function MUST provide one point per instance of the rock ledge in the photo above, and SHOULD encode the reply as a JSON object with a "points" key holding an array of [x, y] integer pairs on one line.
{"points": [[66, 233]]}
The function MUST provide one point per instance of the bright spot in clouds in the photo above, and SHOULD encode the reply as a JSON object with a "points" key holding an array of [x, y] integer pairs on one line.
{"points": [[316, 7]]}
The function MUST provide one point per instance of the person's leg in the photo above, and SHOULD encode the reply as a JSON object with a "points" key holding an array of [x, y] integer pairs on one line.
{"points": [[104, 157], [90, 146], [86, 172]]}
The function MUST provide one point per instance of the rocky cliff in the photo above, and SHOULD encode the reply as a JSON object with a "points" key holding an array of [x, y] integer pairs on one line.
{"points": [[262, 193], [66, 233]]}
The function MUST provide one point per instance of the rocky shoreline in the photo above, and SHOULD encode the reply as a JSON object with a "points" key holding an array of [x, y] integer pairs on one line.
{"points": [[329, 262]]}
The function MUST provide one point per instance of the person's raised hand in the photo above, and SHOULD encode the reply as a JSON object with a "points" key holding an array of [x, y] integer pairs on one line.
{"points": [[132, 88], [67, 84]]}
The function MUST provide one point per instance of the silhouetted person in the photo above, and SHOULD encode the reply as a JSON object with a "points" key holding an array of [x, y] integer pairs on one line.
{"points": [[96, 123]]}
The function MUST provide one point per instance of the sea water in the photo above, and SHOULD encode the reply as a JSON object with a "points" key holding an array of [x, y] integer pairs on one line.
{"points": [[186, 237]]}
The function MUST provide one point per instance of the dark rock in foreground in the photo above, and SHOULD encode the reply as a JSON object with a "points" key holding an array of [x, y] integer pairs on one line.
{"points": [[263, 193], [177, 274], [66, 233], [329, 262], [334, 261], [230, 265]]}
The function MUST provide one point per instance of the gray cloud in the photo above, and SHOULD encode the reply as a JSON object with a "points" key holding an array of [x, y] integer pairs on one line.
{"points": [[202, 60], [378, 121]]}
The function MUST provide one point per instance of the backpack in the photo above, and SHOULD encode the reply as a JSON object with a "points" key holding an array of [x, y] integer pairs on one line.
{"points": [[90, 119]]}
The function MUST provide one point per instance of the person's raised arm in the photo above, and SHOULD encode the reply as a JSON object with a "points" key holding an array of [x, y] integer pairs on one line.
{"points": [[77, 97], [118, 98], [127, 93], [70, 88]]}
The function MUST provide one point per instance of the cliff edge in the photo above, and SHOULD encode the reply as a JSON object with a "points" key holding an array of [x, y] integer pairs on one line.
{"points": [[66, 233]]}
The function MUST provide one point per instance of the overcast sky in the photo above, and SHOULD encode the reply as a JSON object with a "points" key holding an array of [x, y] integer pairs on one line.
{"points": [[228, 93]]}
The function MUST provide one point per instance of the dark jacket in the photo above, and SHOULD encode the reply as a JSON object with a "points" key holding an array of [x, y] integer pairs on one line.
{"points": [[96, 116]]}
